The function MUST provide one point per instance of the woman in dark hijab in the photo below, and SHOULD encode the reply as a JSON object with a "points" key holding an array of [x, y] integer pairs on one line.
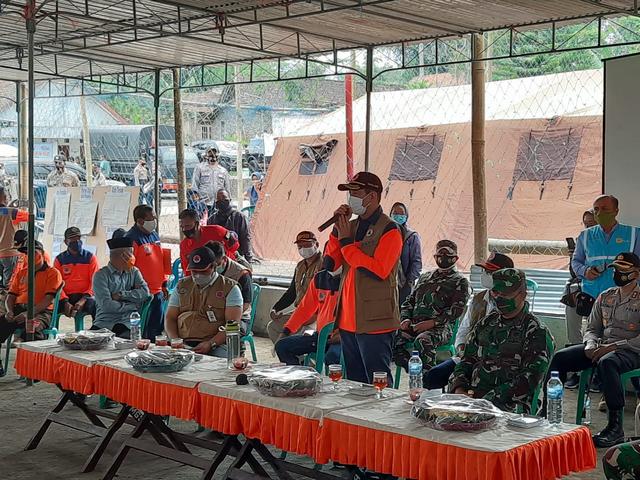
{"points": [[411, 257]]}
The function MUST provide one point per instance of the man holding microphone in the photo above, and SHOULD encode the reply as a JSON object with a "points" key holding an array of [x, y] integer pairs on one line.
{"points": [[368, 248]]}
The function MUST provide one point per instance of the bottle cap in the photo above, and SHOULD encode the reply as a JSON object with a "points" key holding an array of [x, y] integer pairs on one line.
{"points": [[555, 374], [415, 352]]}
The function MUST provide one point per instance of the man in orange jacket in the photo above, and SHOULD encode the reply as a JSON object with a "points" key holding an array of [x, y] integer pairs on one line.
{"points": [[150, 260], [320, 299], [77, 267], [368, 248]]}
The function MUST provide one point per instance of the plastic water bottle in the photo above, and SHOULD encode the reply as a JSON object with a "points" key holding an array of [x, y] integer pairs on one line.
{"points": [[555, 394], [415, 375], [586, 415], [134, 320], [233, 342]]}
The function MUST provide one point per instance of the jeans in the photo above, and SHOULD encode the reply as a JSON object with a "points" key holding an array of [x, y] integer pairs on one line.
{"points": [[365, 353], [289, 349], [155, 322], [438, 376], [609, 369]]}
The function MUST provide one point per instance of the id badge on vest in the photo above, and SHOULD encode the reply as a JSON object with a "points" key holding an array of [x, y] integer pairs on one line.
{"points": [[211, 316]]}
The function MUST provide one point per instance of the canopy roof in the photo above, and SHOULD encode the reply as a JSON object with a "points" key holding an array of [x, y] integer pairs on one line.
{"points": [[88, 38]]}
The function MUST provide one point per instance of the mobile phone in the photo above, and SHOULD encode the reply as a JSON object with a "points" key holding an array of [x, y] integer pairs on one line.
{"points": [[571, 243]]}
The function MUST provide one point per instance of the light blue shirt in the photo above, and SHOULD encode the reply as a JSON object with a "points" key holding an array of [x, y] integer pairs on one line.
{"points": [[130, 285]]}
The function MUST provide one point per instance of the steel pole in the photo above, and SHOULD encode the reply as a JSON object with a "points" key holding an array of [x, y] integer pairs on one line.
{"points": [[31, 30], [23, 152], [156, 161], [369, 88]]}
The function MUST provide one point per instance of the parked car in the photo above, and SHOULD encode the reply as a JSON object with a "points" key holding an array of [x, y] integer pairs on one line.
{"points": [[41, 170]]}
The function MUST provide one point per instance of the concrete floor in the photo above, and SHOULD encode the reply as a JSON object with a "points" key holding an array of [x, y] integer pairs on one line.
{"points": [[63, 451]]}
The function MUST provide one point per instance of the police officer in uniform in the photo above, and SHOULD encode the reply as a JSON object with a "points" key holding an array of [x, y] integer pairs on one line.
{"points": [[508, 351], [61, 177], [611, 343]]}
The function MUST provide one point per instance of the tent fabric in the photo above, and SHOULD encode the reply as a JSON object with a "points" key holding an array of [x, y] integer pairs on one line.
{"points": [[440, 208]]}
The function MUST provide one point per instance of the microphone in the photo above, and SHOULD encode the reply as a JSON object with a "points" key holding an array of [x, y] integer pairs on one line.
{"points": [[328, 223]]}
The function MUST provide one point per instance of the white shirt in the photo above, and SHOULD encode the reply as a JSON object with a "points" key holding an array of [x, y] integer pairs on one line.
{"points": [[465, 324]]}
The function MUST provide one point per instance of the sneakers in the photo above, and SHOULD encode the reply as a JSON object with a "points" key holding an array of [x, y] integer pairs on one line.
{"points": [[573, 381]]}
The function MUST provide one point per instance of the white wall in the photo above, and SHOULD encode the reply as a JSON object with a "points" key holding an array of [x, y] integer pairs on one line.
{"points": [[621, 160]]}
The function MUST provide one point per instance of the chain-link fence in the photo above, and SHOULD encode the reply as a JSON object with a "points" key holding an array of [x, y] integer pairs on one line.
{"points": [[543, 136]]}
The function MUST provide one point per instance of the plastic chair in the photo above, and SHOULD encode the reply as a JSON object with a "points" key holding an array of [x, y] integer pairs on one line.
{"points": [[248, 337], [585, 376], [532, 287], [448, 347], [176, 275], [51, 332], [318, 355], [248, 211]]}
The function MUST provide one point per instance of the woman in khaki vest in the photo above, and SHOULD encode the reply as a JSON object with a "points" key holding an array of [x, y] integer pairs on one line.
{"points": [[202, 304]]}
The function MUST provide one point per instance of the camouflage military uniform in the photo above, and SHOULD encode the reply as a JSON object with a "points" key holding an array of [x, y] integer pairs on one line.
{"points": [[62, 179], [505, 360], [440, 295], [622, 462]]}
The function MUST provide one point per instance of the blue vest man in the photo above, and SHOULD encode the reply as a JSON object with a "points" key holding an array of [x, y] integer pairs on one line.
{"points": [[598, 246]]}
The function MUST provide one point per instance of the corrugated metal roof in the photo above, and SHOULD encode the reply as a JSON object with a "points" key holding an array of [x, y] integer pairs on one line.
{"points": [[140, 35]]}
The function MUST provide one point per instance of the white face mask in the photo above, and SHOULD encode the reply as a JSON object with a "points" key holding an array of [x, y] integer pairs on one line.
{"points": [[203, 279], [486, 280], [150, 225], [357, 204], [308, 252]]}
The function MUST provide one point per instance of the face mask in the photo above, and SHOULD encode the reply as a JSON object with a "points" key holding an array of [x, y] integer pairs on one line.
{"points": [[60, 167], [308, 252], [131, 263], [150, 225], [75, 246], [445, 262], [622, 279], [190, 233], [399, 219], [486, 280], [505, 305], [605, 219], [357, 205], [203, 279], [220, 269], [213, 159], [223, 205], [39, 258]]}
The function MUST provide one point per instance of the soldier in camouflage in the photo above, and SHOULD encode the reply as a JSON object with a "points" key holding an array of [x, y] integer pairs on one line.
{"points": [[507, 352], [622, 462], [61, 177], [611, 343], [428, 315]]}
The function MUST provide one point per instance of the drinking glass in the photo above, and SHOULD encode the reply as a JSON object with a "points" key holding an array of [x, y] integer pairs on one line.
{"points": [[177, 343], [162, 341], [380, 381], [335, 374]]}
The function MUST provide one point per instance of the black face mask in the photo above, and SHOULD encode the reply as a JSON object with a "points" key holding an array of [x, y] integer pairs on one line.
{"points": [[223, 205], [622, 279], [444, 262], [190, 233]]}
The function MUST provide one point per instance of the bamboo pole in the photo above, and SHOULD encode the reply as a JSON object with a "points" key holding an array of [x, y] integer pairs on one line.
{"points": [[177, 119], [477, 150]]}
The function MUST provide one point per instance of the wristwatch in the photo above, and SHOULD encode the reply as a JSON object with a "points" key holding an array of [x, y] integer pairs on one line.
{"points": [[214, 345]]}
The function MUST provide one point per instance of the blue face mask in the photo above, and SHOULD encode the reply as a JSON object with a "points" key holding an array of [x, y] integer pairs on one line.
{"points": [[399, 219], [76, 245]]}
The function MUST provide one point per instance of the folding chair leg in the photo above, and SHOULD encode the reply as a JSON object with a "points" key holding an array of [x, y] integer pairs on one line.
{"points": [[252, 346], [396, 381]]}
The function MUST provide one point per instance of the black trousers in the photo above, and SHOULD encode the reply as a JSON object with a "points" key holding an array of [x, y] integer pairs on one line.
{"points": [[609, 369], [89, 305]]}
